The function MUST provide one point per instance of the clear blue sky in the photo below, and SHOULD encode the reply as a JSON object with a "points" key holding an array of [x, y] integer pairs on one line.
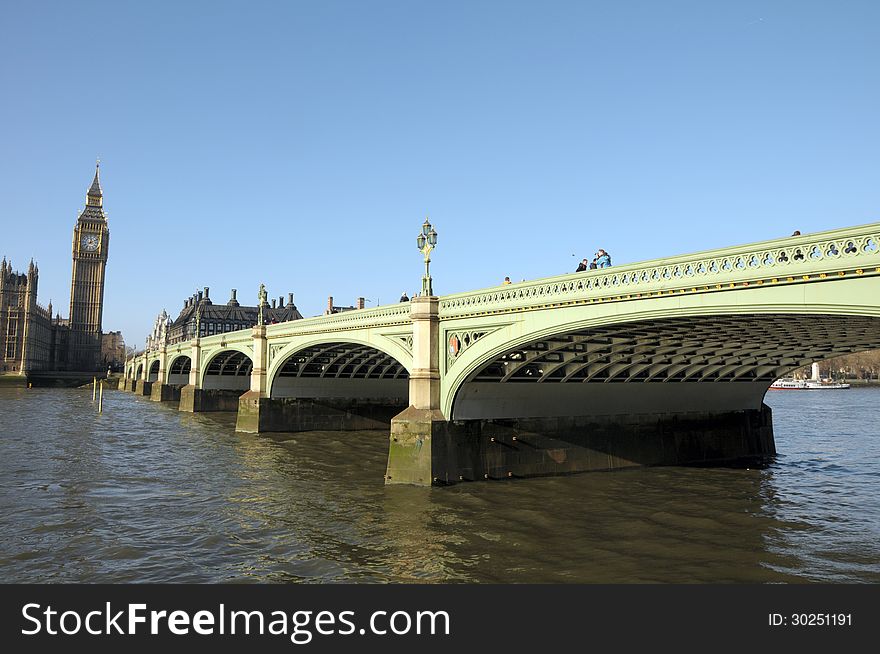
{"points": [[301, 144]]}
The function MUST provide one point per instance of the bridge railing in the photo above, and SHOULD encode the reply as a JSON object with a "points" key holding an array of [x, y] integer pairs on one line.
{"points": [[787, 259], [393, 314]]}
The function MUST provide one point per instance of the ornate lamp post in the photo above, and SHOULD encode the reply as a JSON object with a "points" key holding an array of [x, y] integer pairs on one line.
{"points": [[427, 241]]}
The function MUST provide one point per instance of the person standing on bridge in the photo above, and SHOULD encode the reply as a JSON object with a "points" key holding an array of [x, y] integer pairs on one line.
{"points": [[404, 297], [583, 265], [603, 259]]}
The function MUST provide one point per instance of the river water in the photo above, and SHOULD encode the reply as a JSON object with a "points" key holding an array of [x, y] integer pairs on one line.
{"points": [[143, 493]]}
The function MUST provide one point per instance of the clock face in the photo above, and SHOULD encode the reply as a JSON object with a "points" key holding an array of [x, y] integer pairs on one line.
{"points": [[89, 242]]}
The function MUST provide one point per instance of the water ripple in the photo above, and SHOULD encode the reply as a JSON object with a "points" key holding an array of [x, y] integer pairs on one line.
{"points": [[143, 493]]}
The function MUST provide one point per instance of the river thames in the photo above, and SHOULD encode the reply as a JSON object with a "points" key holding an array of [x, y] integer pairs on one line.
{"points": [[144, 493]]}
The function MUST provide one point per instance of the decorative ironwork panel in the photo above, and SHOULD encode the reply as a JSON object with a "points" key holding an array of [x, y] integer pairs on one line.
{"points": [[855, 249]]}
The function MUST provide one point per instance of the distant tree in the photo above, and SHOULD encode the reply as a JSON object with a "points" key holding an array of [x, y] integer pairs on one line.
{"points": [[860, 365]]}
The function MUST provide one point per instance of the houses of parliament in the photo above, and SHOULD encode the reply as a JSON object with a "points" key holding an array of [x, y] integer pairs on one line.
{"points": [[33, 342]]}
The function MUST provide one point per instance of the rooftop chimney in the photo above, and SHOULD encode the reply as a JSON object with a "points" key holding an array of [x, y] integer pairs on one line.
{"points": [[360, 303], [233, 301], [273, 302], [200, 296], [330, 304], [290, 299]]}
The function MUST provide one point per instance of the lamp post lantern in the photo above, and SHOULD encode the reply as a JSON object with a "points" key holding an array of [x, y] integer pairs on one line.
{"points": [[427, 241]]}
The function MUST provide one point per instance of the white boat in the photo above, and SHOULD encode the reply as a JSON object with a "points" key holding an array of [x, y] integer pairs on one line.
{"points": [[814, 384], [789, 384]]}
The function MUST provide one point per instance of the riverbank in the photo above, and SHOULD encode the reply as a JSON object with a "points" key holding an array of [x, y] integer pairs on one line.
{"points": [[56, 380]]}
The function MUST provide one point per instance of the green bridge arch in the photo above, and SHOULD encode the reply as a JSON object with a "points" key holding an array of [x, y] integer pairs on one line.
{"points": [[844, 300], [359, 343]]}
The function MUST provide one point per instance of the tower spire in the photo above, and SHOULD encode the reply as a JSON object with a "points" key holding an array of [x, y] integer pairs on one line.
{"points": [[95, 195]]}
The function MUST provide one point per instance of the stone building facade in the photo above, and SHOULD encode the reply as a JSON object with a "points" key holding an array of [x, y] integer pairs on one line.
{"points": [[200, 313], [31, 340], [26, 330]]}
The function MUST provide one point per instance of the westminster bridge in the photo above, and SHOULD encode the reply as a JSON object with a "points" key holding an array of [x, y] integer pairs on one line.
{"points": [[660, 362]]}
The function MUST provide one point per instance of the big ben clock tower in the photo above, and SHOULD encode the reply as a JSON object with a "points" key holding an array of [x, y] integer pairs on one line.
{"points": [[91, 240]]}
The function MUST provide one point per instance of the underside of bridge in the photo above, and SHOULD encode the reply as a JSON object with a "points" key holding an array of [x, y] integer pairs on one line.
{"points": [[229, 370], [673, 391], [331, 386], [178, 371], [673, 365], [343, 370]]}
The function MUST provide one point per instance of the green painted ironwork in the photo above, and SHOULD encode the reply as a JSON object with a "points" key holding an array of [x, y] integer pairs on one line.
{"points": [[833, 273]]}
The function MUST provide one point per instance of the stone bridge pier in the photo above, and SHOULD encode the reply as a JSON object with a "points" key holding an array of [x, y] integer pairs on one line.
{"points": [[420, 433]]}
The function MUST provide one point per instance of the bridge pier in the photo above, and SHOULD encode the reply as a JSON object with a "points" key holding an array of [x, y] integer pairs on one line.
{"points": [[419, 434], [165, 392], [143, 387], [293, 414], [198, 400], [427, 450], [418, 451]]}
